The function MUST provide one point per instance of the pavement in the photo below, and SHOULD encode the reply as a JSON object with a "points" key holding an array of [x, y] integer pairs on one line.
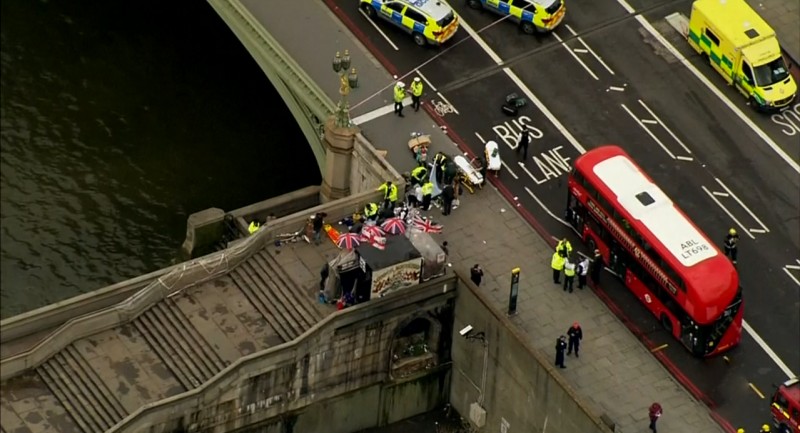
{"points": [[616, 374]]}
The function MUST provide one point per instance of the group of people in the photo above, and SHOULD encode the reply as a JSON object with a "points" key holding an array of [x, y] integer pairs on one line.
{"points": [[571, 266], [569, 343], [421, 187], [399, 94]]}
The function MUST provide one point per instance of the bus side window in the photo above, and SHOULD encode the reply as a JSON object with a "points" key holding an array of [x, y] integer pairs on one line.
{"points": [[712, 37]]}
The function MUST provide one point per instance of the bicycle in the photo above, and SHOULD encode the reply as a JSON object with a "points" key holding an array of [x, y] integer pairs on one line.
{"points": [[286, 238], [442, 108]]}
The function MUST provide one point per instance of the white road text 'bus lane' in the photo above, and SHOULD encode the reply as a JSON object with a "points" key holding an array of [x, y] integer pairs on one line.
{"points": [[788, 120], [550, 164]]}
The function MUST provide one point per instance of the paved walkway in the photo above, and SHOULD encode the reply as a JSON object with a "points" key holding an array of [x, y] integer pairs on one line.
{"points": [[784, 17], [616, 374]]}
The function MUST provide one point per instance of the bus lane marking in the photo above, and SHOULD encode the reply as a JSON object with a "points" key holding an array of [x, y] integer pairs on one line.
{"points": [[763, 228], [587, 48], [711, 195], [718, 93], [763, 344], [379, 30], [575, 56], [789, 119]]}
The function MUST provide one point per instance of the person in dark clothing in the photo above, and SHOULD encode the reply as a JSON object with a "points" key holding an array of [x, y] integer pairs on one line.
{"points": [[561, 346], [447, 199], [476, 274], [654, 413], [323, 274], [731, 244], [522, 145], [319, 221], [575, 335], [596, 267]]}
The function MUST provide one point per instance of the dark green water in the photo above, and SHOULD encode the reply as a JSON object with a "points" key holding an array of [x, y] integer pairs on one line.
{"points": [[118, 120]]}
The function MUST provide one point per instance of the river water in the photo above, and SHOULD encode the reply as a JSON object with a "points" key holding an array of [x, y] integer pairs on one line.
{"points": [[118, 120]]}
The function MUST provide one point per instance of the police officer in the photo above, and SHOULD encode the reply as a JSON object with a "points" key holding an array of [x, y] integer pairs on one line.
{"points": [[418, 175], [399, 95], [575, 335], [569, 274], [522, 145], [253, 227], [427, 193], [416, 93], [561, 346], [764, 429], [557, 263], [564, 248], [389, 194], [583, 271], [731, 244], [371, 211]]}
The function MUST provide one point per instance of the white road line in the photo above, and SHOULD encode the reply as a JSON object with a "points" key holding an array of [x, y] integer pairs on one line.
{"points": [[546, 209], [480, 138], [617, 89], [426, 79], [648, 132], [720, 194], [514, 175], [758, 231], [481, 43], [650, 121], [379, 30], [663, 125], [577, 59], [741, 204], [728, 212], [796, 281], [767, 349], [766, 138], [448, 103], [378, 112], [684, 158], [580, 39], [580, 50]]}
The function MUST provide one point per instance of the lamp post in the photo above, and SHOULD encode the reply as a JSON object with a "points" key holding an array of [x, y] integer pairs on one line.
{"points": [[348, 79]]}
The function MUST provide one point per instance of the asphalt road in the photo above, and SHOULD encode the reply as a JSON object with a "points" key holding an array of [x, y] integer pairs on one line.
{"points": [[602, 78]]}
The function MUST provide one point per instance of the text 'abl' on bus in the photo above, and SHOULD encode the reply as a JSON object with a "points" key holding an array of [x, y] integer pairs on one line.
{"points": [[660, 255]]}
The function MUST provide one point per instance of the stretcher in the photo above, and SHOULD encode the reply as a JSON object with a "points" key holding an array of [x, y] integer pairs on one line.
{"points": [[492, 153], [469, 175]]}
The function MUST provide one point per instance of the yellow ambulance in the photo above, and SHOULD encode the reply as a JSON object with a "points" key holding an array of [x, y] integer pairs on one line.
{"points": [[743, 48]]}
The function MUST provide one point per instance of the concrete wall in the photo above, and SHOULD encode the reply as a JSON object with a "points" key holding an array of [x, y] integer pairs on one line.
{"points": [[369, 169], [337, 377], [523, 392]]}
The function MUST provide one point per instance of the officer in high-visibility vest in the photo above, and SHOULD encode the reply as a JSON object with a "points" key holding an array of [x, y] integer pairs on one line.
{"points": [[427, 193], [564, 248], [731, 244], [253, 227], [419, 175], [371, 211], [389, 194], [557, 263], [569, 274], [399, 95], [416, 93]]}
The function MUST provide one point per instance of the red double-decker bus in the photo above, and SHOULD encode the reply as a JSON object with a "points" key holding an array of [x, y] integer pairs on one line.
{"points": [[660, 255]]}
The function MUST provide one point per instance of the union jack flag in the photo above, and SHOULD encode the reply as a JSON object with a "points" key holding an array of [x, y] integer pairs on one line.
{"points": [[426, 226]]}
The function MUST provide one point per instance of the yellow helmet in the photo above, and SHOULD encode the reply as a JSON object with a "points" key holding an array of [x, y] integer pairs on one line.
{"points": [[741, 430], [765, 428], [732, 232]]}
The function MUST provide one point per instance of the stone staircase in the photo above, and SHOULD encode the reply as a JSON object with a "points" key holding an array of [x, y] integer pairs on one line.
{"points": [[81, 391], [279, 300], [184, 351]]}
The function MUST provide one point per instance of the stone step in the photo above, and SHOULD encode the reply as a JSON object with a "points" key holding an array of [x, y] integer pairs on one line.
{"points": [[287, 308], [165, 351], [88, 376], [184, 358], [209, 355], [74, 404], [262, 303], [197, 350], [312, 313]]}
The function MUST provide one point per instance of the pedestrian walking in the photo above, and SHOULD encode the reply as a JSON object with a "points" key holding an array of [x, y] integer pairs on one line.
{"points": [[731, 244], [416, 93], [569, 274], [575, 335], [399, 95], [319, 221], [583, 272], [476, 274], [448, 195], [522, 145], [561, 346], [655, 413], [596, 267], [557, 263]]}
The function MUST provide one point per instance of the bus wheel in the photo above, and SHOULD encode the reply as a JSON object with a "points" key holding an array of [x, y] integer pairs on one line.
{"points": [[666, 323]]}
